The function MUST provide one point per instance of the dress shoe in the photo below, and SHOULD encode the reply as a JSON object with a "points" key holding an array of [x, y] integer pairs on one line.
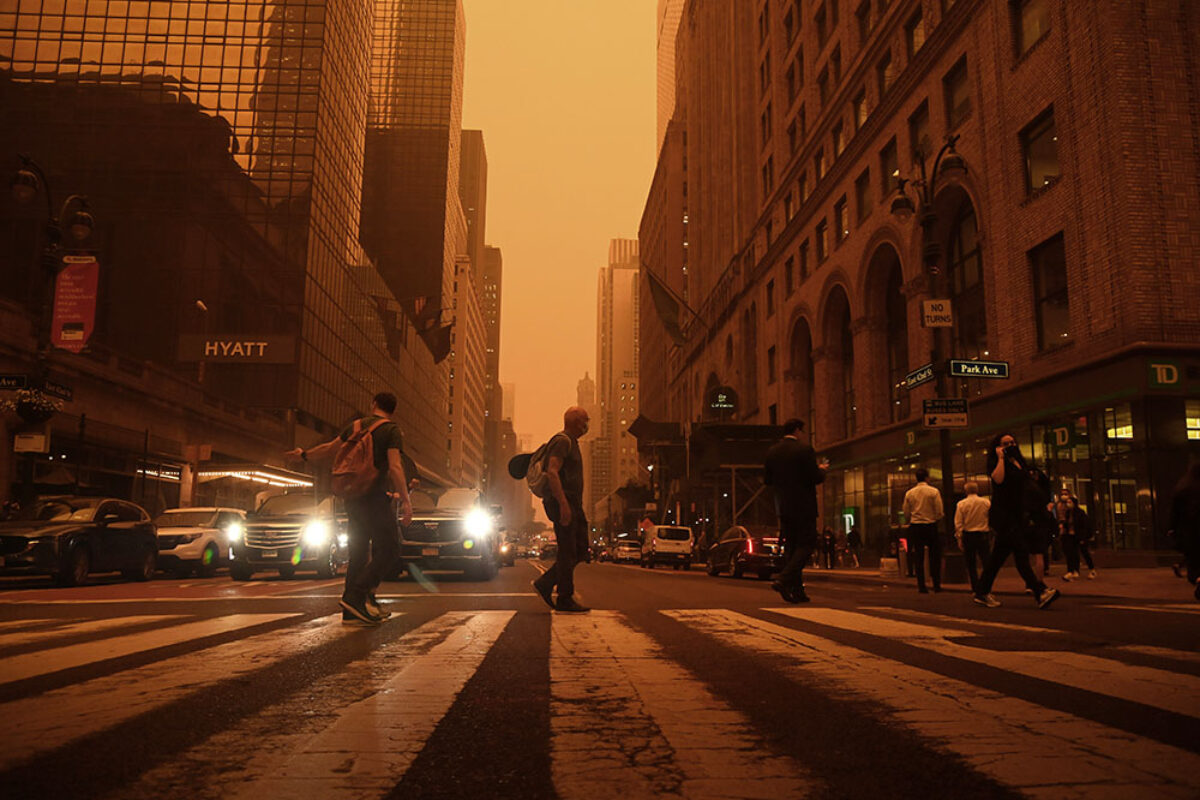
{"points": [[569, 606]]}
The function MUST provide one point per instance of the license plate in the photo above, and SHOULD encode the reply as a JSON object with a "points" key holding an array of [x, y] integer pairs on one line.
{"points": [[429, 551], [269, 553]]}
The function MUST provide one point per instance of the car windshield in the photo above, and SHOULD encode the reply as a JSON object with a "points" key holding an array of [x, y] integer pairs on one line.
{"points": [[186, 519], [674, 534], [287, 504], [72, 509]]}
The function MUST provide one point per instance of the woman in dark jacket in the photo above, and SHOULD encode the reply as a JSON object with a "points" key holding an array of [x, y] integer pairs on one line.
{"points": [[1185, 522], [1075, 533]]}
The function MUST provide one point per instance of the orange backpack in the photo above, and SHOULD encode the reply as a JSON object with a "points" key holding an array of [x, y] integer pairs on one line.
{"points": [[354, 469]]}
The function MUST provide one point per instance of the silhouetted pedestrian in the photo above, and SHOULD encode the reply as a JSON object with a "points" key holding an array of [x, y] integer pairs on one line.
{"points": [[854, 544], [1074, 532], [564, 506], [792, 470], [1185, 522]]}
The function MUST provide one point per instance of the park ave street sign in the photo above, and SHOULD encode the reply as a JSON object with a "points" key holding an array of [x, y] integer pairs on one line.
{"points": [[978, 369], [945, 412]]}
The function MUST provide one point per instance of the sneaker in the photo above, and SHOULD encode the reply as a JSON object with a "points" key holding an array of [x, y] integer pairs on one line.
{"points": [[569, 606], [358, 611], [1091, 575], [986, 600], [373, 605], [1047, 597], [543, 593], [1068, 576], [785, 592], [349, 618]]}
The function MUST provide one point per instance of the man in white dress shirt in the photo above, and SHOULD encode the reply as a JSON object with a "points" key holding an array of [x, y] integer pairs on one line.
{"points": [[971, 530], [923, 510]]}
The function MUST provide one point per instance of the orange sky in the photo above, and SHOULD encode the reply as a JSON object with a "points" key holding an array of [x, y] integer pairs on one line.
{"points": [[564, 92]]}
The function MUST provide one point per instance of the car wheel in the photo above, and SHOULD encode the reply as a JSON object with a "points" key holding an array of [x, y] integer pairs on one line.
{"points": [[288, 572], [144, 571], [686, 566], [328, 567], [712, 568], [208, 562], [75, 570], [735, 569], [240, 572]]}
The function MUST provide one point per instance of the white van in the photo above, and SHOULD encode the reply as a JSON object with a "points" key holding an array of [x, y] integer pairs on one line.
{"points": [[668, 544]]}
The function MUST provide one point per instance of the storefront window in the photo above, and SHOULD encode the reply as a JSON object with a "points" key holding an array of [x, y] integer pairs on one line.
{"points": [[1118, 422], [1193, 420]]}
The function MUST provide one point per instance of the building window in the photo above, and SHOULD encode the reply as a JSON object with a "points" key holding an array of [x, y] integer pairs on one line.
{"points": [[841, 220], [764, 24], [896, 312], [965, 264], [789, 209], [789, 276], [1031, 21], [802, 183], [1049, 263], [918, 132], [1039, 145], [914, 33], [768, 175], [772, 414], [799, 64], [765, 125], [771, 369], [823, 86], [764, 73], [793, 139], [862, 194], [886, 73], [866, 21], [860, 109], [805, 270], [822, 234], [835, 65], [770, 298], [801, 123], [889, 168], [790, 78], [957, 93], [1192, 420], [770, 230], [839, 139], [819, 163]]}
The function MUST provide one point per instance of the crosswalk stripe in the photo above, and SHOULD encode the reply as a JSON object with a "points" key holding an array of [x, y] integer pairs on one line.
{"points": [[30, 624], [1146, 650], [44, 662], [1166, 609], [8, 640], [372, 743], [615, 700], [41, 723], [1035, 750], [1157, 688]]}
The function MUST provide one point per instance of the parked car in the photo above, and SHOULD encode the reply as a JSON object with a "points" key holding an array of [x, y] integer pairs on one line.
{"points": [[290, 532], [668, 544], [72, 537], [548, 552], [739, 551], [508, 554], [455, 533], [628, 551], [196, 539]]}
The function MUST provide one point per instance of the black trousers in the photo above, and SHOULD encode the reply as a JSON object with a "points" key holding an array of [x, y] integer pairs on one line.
{"points": [[374, 544], [975, 545], [799, 540], [572, 548], [1011, 539], [922, 535]]}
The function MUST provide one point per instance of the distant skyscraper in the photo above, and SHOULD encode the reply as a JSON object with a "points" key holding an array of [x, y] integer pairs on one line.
{"points": [[509, 406], [615, 458], [465, 425], [472, 191], [669, 13]]}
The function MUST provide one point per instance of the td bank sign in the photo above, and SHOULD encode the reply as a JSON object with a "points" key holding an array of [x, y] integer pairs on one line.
{"points": [[238, 348]]}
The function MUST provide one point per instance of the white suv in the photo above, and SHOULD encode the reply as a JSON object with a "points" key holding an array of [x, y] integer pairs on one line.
{"points": [[668, 544], [196, 539]]}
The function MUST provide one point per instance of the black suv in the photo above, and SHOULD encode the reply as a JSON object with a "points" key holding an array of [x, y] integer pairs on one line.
{"points": [[291, 532], [457, 533]]}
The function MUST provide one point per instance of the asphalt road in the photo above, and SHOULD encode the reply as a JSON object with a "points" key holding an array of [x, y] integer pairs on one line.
{"points": [[677, 685]]}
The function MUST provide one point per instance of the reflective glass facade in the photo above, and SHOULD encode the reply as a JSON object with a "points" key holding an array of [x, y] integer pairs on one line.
{"points": [[285, 82]]}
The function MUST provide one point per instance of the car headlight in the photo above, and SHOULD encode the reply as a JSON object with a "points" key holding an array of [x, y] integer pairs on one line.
{"points": [[234, 532], [479, 524], [316, 533], [504, 548]]}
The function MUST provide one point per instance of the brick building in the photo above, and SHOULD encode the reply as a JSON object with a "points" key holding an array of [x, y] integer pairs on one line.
{"points": [[1068, 247]]}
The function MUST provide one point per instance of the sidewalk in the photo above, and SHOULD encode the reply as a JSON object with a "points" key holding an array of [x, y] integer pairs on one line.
{"points": [[1131, 583]]}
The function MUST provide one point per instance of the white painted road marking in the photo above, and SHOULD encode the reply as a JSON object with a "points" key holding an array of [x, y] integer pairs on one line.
{"points": [[46, 721], [1038, 751], [616, 701], [1170, 691], [1166, 609], [45, 662], [372, 743], [78, 628]]}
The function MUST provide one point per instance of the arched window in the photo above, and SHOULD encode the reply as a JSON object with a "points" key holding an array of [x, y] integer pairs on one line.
{"points": [[800, 375], [965, 272], [896, 325], [839, 342]]}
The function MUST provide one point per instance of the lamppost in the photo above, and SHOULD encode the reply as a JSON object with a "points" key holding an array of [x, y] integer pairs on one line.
{"points": [[28, 180], [948, 166]]}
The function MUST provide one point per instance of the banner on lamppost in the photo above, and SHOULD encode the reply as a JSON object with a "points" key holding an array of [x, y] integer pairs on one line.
{"points": [[74, 315]]}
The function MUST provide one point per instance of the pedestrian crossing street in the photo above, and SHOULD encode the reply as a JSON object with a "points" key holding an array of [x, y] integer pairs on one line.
{"points": [[626, 717]]}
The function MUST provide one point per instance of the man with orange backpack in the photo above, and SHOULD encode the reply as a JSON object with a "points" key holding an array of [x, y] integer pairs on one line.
{"points": [[366, 460]]}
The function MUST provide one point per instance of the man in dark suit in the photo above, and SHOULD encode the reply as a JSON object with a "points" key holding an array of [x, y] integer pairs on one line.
{"points": [[793, 471]]}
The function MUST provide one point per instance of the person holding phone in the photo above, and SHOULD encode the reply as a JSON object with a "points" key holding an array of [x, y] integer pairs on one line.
{"points": [[1007, 516]]}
